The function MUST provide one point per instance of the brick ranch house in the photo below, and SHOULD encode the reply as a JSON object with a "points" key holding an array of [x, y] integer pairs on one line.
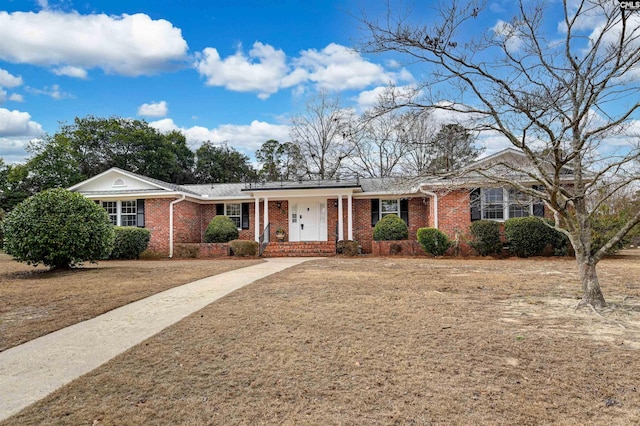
{"points": [[313, 214]]}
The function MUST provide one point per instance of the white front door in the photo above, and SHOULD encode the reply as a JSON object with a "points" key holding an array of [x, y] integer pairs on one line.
{"points": [[308, 219]]}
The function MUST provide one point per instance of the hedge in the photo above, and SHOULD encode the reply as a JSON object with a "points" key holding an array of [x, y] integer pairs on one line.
{"points": [[130, 242], [485, 237]]}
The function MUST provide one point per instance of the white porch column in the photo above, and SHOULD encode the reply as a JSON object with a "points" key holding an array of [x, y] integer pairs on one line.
{"points": [[266, 212], [256, 219], [340, 221], [350, 217]]}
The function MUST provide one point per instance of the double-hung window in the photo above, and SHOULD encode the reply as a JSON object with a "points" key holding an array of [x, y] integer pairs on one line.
{"points": [[125, 213], [502, 204], [234, 212], [493, 203], [112, 210], [389, 207]]}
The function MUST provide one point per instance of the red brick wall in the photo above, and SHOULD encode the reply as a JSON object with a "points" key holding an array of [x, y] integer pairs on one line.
{"points": [[156, 220], [363, 231], [454, 215], [278, 218], [186, 222], [191, 219]]}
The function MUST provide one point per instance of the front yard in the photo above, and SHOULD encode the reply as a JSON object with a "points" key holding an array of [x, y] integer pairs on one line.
{"points": [[382, 341], [35, 302]]}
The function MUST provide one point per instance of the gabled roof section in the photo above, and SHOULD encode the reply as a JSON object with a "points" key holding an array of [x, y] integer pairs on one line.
{"points": [[118, 181]]}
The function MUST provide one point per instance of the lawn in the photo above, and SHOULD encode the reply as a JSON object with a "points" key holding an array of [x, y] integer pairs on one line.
{"points": [[382, 341], [35, 301]]}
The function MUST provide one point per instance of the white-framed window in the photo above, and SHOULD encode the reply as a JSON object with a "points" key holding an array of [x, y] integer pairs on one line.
{"points": [[122, 213], [502, 204], [128, 213], [112, 210], [389, 207], [234, 211]]}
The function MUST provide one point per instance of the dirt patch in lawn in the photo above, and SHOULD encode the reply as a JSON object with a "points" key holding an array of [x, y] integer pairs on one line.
{"points": [[35, 301], [382, 341]]}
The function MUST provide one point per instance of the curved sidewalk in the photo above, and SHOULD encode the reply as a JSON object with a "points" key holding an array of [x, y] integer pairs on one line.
{"points": [[31, 371]]}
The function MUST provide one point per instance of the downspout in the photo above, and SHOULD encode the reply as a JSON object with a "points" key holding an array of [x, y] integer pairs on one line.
{"points": [[171, 223], [435, 206]]}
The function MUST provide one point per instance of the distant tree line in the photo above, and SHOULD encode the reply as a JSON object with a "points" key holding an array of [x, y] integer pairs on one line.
{"points": [[327, 141]]}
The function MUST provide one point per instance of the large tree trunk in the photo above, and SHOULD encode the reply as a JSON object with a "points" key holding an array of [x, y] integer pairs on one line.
{"points": [[591, 293]]}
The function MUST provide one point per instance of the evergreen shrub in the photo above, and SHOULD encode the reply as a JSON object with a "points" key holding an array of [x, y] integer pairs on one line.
{"points": [[221, 229], [244, 248], [59, 229], [433, 241], [485, 237], [389, 228], [130, 242]]}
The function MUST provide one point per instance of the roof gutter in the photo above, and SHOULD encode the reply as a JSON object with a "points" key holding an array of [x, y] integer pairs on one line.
{"points": [[435, 205], [171, 223]]}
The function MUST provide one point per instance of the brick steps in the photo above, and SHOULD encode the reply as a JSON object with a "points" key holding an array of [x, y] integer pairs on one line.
{"points": [[301, 249]]}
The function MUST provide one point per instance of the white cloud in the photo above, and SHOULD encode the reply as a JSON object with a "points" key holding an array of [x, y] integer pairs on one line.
{"points": [[157, 109], [509, 34], [128, 44], [54, 91], [337, 67], [265, 70], [8, 80], [70, 71], [17, 123], [15, 97], [262, 71], [244, 138], [3, 95]]}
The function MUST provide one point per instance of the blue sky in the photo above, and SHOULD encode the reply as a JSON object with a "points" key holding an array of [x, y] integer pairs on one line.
{"points": [[232, 71]]}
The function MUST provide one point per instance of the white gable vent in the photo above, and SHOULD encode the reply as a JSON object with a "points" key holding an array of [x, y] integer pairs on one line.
{"points": [[119, 182]]}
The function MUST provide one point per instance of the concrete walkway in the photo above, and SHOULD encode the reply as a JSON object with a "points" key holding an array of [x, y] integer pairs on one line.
{"points": [[31, 371]]}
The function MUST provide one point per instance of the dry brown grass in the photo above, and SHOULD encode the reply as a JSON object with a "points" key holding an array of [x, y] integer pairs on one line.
{"points": [[382, 341], [35, 301]]}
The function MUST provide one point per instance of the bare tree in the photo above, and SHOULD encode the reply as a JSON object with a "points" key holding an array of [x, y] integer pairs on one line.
{"points": [[566, 94], [325, 134], [380, 148]]}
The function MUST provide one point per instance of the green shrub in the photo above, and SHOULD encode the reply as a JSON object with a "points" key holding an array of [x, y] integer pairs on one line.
{"points": [[390, 228], [433, 241], [58, 228], [485, 237], [530, 236], [348, 248], [244, 248], [221, 229], [130, 242], [605, 224]]}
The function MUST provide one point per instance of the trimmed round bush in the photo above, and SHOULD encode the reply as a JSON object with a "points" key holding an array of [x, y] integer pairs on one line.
{"points": [[389, 228], [527, 236], [221, 229], [59, 229], [130, 242], [433, 241], [485, 237], [244, 248]]}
